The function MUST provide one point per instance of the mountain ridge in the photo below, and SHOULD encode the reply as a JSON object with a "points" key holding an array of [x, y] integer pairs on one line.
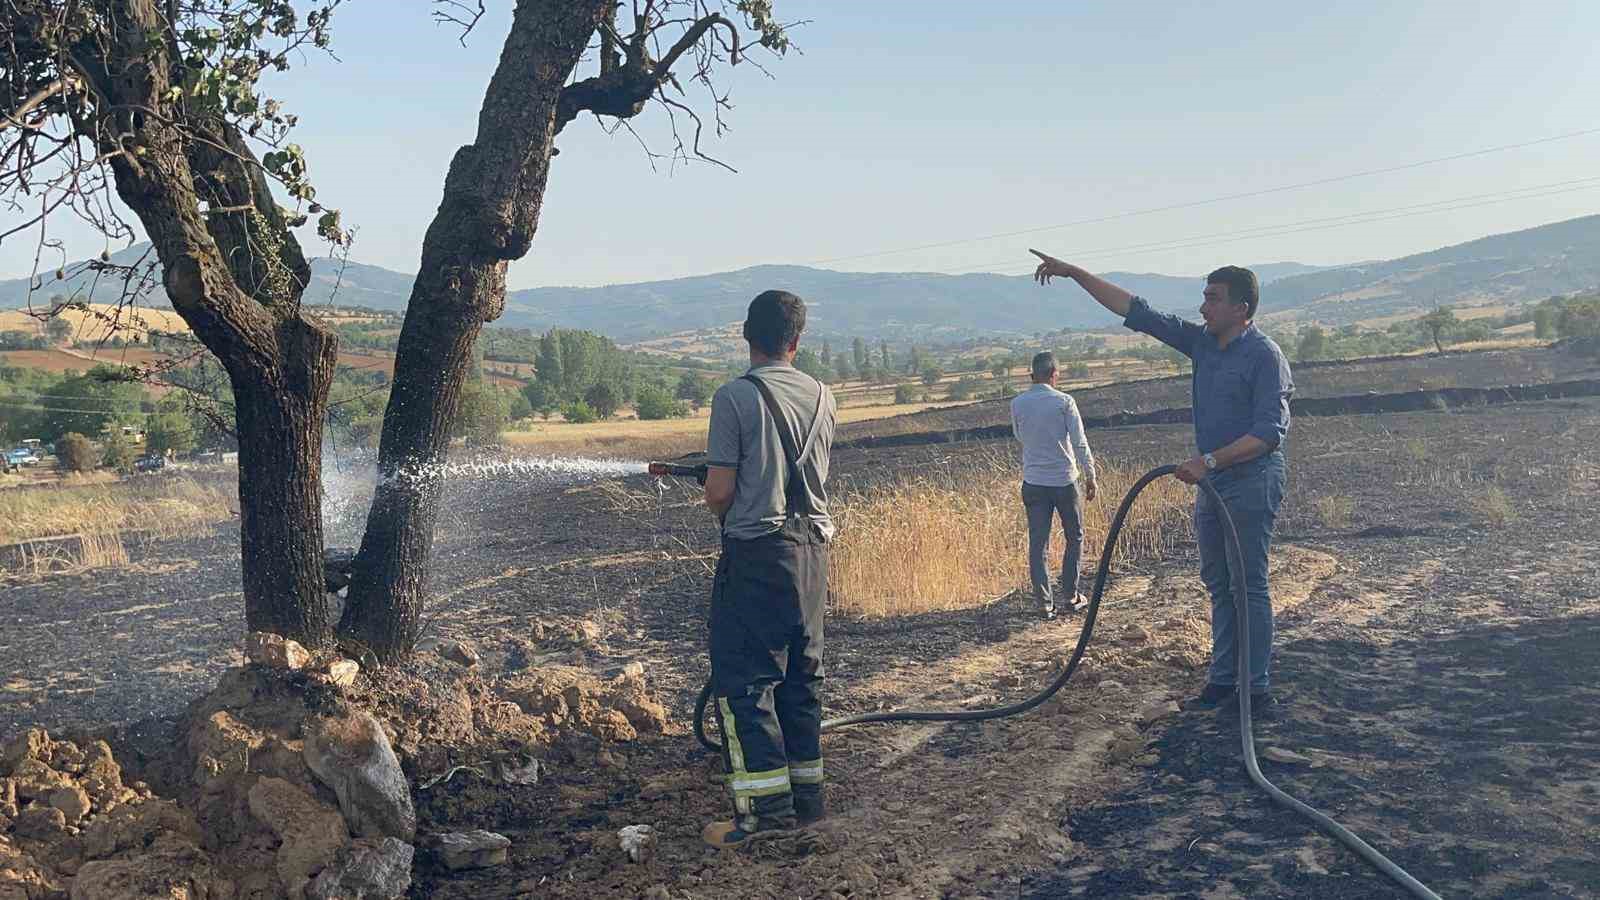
{"points": [[1513, 267]]}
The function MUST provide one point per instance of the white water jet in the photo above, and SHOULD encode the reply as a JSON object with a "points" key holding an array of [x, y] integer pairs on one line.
{"points": [[347, 486]]}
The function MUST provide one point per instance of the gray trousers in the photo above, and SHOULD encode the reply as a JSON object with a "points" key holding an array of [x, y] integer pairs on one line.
{"points": [[1044, 504]]}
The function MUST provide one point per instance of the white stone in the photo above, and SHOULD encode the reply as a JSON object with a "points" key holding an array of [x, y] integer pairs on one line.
{"points": [[638, 841]]}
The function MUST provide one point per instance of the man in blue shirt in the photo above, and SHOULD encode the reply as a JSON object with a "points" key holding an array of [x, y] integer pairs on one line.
{"points": [[1240, 395]]}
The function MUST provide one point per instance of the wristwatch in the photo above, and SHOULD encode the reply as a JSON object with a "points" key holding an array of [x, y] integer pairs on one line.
{"points": [[1211, 462]]}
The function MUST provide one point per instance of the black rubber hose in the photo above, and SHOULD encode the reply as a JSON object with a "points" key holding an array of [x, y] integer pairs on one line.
{"points": [[1241, 611]]}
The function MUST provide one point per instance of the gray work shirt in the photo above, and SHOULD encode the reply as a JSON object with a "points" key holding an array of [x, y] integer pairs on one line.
{"points": [[1243, 388], [744, 437], [1054, 447]]}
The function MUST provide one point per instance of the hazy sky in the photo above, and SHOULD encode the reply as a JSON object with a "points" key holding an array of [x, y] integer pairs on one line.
{"points": [[901, 124]]}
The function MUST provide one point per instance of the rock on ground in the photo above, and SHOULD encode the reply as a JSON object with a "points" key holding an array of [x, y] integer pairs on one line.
{"points": [[274, 651], [311, 833], [366, 869], [352, 755], [471, 849]]}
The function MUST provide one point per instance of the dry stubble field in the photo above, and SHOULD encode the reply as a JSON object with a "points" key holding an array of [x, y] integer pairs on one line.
{"points": [[1439, 619]]}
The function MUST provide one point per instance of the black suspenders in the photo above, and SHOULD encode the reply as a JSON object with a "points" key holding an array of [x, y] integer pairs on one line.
{"points": [[796, 498]]}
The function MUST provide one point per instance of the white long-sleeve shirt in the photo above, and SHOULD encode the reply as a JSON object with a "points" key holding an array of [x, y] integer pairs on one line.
{"points": [[1054, 447]]}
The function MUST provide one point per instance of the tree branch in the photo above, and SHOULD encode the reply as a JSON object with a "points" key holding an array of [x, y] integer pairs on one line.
{"points": [[623, 91], [16, 118], [459, 13]]}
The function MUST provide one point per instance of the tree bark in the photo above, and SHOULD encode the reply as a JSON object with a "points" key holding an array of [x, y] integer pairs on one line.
{"points": [[280, 487], [236, 279], [492, 197]]}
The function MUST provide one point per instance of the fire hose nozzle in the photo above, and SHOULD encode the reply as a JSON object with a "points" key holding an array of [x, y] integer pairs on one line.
{"points": [[678, 470]]}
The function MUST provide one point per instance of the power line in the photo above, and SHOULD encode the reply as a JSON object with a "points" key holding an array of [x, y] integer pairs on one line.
{"points": [[1220, 199], [1363, 218]]}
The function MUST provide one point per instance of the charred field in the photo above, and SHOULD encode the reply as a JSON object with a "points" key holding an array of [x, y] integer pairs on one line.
{"points": [[1437, 581]]}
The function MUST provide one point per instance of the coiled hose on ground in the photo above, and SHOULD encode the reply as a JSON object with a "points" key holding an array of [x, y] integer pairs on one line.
{"points": [[1246, 732]]}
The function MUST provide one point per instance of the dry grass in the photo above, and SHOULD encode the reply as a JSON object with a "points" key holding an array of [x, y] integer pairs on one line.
{"points": [[1492, 506], [89, 550], [1334, 510], [95, 321], [167, 506], [956, 539], [661, 438]]}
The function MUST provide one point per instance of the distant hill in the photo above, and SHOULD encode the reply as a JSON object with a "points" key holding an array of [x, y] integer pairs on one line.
{"points": [[1560, 258], [1502, 269]]}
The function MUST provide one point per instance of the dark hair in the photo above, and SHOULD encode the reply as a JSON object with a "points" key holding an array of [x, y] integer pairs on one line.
{"points": [[1241, 283], [1043, 364], [774, 321]]}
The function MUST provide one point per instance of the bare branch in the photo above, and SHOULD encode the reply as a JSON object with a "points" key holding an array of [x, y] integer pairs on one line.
{"points": [[698, 127], [17, 117], [462, 14]]}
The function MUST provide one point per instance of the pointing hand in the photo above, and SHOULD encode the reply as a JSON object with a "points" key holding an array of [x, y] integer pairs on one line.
{"points": [[1050, 267]]}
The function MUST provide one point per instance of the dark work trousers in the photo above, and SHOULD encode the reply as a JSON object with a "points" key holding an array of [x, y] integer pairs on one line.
{"points": [[1044, 504], [766, 666]]}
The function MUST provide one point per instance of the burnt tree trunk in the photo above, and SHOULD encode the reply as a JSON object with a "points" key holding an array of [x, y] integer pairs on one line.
{"points": [[490, 210], [280, 486], [235, 274]]}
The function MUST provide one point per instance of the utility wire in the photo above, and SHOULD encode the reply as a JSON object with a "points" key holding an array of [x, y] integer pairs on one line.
{"points": [[1369, 217], [1220, 199]]}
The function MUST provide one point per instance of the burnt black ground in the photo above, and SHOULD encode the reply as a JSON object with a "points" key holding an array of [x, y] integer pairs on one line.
{"points": [[1444, 679]]}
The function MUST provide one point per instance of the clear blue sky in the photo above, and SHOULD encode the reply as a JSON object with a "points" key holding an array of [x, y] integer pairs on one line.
{"points": [[901, 124]]}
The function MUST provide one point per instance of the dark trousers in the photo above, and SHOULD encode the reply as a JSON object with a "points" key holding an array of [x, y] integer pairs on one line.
{"points": [[1043, 504], [766, 666]]}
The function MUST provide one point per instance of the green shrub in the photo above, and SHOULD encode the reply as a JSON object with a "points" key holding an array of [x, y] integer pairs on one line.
{"points": [[579, 412], [603, 399], [654, 403], [118, 452], [965, 388]]}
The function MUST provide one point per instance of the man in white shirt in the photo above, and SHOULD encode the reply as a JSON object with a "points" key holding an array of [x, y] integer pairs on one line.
{"points": [[1054, 452]]}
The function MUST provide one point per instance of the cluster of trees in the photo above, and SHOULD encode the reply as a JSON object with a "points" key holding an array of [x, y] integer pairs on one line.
{"points": [[583, 375], [97, 404], [22, 340], [1577, 316], [1439, 328], [92, 417], [46, 405], [586, 377]]}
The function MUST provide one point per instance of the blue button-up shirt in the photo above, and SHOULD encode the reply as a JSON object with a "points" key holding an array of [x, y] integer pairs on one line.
{"points": [[1240, 389]]}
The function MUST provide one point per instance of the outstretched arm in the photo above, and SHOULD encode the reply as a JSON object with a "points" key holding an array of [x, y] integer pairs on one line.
{"points": [[1136, 313], [1107, 294]]}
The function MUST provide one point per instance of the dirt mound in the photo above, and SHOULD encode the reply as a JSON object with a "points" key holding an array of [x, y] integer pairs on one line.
{"points": [[66, 818], [286, 781], [620, 709]]}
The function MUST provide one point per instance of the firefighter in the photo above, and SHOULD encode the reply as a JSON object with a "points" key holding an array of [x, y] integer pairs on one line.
{"points": [[767, 454]]}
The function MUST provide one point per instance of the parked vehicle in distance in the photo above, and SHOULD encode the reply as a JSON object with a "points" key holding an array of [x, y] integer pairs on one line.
{"points": [[149, 464], [22, 456]]}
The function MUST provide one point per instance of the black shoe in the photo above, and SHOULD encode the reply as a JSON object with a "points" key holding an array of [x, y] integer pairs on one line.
{"points": [[1262, 704], [1212, 697], [809, 809]]}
